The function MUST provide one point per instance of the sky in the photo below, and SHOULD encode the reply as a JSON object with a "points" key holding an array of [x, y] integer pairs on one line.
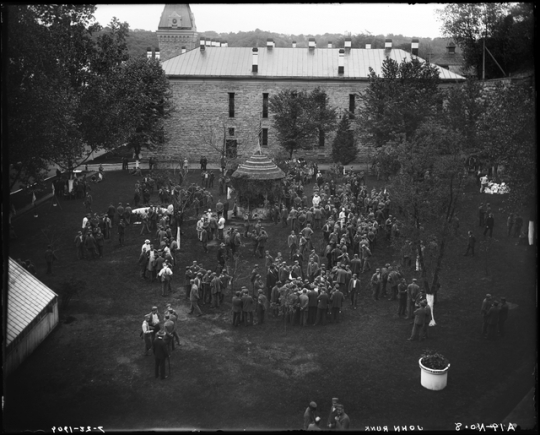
{"points": [[419, 20]]}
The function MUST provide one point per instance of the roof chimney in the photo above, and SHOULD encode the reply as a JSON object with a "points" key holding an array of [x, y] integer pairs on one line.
{"points": [[368, 46], [255, 63], [341, 61], [208, 42], [156, 50], [414, 47], [388, 44], [312, 43], [149, 53], [451, 47], [224, 44], [348, 43], [215, 42], [202, 41], [294, 44], [269, 43], [202, 44], [183, 49], [330, 44]]}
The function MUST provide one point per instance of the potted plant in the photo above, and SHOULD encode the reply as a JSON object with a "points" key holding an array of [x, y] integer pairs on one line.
{"points": [[434, 370]]}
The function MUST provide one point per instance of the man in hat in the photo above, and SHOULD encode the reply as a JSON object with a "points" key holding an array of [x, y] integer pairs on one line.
{"points": [[322, 306], [248, 306], [170, 327], [50, 256], [262, 306], [304, 307], [412, 292], [147, 332], [333, 414], [237, 308], [354, 289], [161, 353], [337, 302], [471, 241], [79, 245], [376, 281], [486, 305], [402, 297], [292, 242], [165, 274], [310, 415], [342, 420], [154, 321], [194, 298], [316, 425], [419, 318]]}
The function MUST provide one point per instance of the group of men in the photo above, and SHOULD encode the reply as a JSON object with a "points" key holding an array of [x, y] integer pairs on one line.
{"points": [[159, 335], [337, 419], [494, 316]]}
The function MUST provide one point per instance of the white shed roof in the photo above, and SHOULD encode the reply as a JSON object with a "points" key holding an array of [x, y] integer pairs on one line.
{"points": [[27, 297]]}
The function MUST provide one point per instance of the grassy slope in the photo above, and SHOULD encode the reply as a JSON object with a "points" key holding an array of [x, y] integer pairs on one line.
{"points": [[93, 372]]}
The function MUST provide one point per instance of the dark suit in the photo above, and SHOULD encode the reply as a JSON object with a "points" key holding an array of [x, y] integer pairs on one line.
{"points": [[322, 307], [337, 301], [419, 318], [354, 288], [161, 354]]}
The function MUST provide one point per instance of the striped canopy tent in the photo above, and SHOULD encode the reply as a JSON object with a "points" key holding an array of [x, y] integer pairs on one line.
{"points": [[258, 167]]}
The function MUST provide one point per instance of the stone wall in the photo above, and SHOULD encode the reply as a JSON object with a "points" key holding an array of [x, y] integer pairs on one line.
{"points": [[202, 113]]}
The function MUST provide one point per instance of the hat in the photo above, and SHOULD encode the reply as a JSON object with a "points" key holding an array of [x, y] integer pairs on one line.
{"points": [[377, 270], [488, 295], [154, 308], [161, 332], [423, 302], [313, 405], [334, 399], [260, 291], [147, 241], [414, 279], [147, 316]]}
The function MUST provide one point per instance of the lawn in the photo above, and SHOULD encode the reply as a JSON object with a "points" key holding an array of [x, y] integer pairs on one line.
{"points": [[92, 371]]}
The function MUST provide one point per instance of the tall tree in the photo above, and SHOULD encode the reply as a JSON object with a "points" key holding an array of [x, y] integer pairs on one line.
{"points": [[507, 30], [426, 195], [344, 148], [507, 136], [299, 116], [394, 105]]}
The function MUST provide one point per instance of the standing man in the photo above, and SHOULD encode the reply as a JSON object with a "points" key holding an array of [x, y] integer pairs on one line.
{"points": [[121, 232], [147, 334], [337, 301], [194, 299], [419, 318], [165, 275], [161, 353], [262, 305], [292, 242], [322, 306], [493, 320], [50, 256], [237, 308], [412, 293], [402, 297], [354, 288], [304, 307], [486, 305], [309, 415], [342, 420], [376, 281], [248, 306]]}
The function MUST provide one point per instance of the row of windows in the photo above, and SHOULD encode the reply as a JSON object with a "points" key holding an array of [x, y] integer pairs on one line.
{"points": [[264, 137], [352, 105]]}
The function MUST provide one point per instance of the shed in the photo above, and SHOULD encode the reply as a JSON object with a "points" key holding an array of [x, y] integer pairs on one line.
{"points": [[32, 313]]}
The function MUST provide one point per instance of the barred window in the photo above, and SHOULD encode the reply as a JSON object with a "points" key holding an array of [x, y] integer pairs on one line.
{"points": [[264, 137], [265, 106], [231, 104]]}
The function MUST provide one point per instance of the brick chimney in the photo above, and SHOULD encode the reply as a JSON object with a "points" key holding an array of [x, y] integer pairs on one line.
{"points": [[202, 44], [312, 44], [341, 61], [225, 44], [202, 41], [414, 46], [208, 42], [368, 46], [156, 51], [255, 63], [149, 53], [294, 44], [348, 43], [269, 43], [330, 44], [388, 44], [183, 49]]}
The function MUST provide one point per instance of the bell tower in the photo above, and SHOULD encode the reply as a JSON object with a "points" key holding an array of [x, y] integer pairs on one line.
{"points": [[176, 29]]}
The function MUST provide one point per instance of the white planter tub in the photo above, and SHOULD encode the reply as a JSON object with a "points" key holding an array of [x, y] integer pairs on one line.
{"points": [[433, 379]]}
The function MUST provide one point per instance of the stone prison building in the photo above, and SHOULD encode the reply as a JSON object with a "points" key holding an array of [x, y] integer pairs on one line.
{"points": [[221, 93]]}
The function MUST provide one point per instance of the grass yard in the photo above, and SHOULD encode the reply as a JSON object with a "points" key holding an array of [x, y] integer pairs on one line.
{"points": [[93, 372]]}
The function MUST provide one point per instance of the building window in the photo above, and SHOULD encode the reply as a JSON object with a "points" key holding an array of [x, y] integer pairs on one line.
{"points": [[352, 105], [231, 131], [264, 140], [265, 106], [321, 139], [231, 104]]}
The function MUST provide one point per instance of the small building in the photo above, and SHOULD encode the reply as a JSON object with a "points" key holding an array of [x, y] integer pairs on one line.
{"points": [[32, 313], [453, 61]]}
